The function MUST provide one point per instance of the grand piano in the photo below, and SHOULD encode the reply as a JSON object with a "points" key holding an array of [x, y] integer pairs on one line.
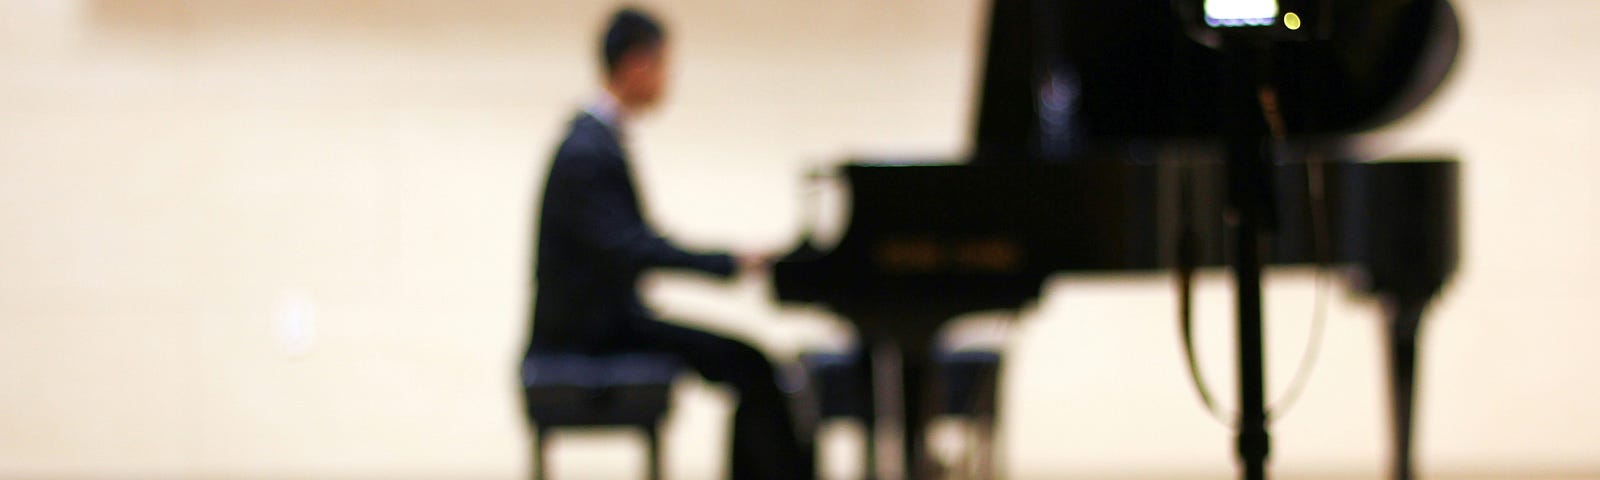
{"points": [[1116, 136]]}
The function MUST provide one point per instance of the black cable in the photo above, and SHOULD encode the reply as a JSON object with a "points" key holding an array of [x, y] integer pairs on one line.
{"points": [[1315, 181], [1188, 257], [1188, 251]]}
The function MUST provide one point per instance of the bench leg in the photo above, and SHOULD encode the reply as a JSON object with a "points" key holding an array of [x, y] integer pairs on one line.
{"points": [[984, 445], [870, 432], [653, 439], [539, 453]]}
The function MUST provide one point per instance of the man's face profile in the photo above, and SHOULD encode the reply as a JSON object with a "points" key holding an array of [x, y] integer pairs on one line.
{"points": [[641, 80]]}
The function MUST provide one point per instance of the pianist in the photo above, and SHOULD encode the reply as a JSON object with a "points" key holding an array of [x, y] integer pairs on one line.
{"points": [[594, 243]]}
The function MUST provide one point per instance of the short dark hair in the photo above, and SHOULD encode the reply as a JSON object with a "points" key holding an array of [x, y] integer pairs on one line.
{"points": [[630, 29]]}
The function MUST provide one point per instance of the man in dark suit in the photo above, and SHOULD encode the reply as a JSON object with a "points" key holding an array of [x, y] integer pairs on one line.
{"points": [[594, 243]]}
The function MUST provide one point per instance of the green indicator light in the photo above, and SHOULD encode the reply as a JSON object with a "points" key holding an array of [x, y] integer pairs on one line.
{"points": [[1291, 20]]}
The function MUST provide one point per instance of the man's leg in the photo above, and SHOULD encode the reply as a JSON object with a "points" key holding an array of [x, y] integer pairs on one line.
{"points": [[764, 443]]}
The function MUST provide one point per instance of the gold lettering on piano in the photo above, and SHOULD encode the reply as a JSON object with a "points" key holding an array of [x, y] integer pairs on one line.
{"points": [[914, 255], [996, 255], [909, 255]]}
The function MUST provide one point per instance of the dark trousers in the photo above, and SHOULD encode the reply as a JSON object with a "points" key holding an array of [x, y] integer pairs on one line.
{"points": [[765, 446]]}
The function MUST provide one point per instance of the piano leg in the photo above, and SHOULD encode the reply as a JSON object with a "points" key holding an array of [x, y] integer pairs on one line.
{"points": [[914, 381], [868, 382], [903, 373], [1405, 322], [888, 414]]}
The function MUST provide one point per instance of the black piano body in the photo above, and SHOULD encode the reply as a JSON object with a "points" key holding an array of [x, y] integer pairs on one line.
{"points": [[930, 241], [1102, 139]]}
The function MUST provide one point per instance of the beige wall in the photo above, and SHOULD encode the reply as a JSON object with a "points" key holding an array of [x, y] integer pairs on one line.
{"points": [[289, 239]]}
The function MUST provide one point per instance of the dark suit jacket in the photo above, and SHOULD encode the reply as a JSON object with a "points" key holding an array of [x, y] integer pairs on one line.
{"points": [[593, 244]]}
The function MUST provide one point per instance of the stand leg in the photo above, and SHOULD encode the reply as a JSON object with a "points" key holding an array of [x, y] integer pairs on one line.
{"points": [[1254, 442], [1249, 197]]}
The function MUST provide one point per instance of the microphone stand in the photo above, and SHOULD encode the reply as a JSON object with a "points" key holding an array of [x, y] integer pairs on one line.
{"points": [[1253, 217]]}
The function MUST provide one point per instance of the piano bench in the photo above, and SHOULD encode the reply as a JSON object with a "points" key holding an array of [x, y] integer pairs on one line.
{"points": [[841, 386], [582, 391]]}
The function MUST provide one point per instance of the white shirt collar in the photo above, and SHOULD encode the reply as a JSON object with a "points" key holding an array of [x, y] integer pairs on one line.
{"points": [[608, 110]]}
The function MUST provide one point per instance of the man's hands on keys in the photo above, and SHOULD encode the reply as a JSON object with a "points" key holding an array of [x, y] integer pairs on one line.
{"points": [[753, 263]]}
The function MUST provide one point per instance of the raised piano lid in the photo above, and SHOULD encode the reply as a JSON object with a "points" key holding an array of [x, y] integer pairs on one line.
{"points": [[1062, 75]]}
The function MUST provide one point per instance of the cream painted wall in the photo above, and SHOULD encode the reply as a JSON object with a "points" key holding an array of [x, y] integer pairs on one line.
{"points": [[183, 182]]}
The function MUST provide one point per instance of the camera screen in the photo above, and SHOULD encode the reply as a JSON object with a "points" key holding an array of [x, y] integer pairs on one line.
{"points": [[1241, 13]]}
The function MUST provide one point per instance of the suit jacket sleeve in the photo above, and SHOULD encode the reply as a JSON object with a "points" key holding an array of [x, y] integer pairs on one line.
{"points": [[609, 219]]}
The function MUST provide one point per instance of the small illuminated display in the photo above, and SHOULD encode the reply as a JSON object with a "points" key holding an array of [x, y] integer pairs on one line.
{"points": [[1241, 13]]}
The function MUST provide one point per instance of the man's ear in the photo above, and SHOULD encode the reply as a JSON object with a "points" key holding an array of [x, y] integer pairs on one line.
{"points": [[621, 72], [631, 62]]}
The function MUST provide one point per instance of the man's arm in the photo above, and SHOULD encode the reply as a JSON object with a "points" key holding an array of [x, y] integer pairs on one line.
{"points": [[605, 220]]}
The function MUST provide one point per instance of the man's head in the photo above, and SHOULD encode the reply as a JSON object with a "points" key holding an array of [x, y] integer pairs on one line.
{"points": [[634, 50]]}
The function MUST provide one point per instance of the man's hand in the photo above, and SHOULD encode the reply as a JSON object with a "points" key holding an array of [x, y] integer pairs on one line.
{"points": [[754, 263]]}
